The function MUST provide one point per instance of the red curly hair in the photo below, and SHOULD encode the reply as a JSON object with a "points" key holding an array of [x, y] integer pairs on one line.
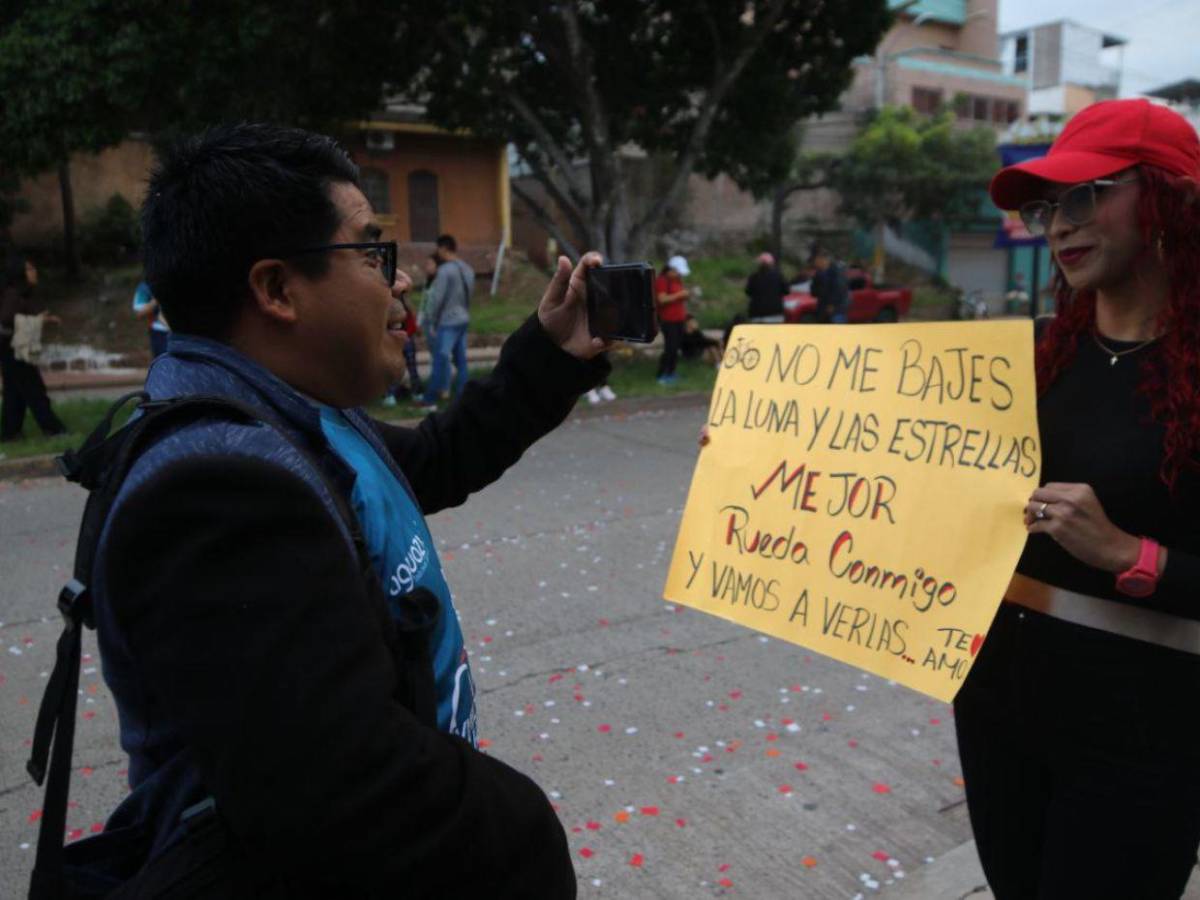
{"points": [[1169, 216]]}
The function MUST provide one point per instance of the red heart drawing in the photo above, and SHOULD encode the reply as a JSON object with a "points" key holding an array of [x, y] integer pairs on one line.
{"points": [[976, 643]]}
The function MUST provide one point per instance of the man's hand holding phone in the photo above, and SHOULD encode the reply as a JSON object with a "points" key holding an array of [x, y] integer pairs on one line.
{"points": [[563, 310]]}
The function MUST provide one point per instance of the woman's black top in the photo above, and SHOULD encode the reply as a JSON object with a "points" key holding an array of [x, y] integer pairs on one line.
{"points": [[1096, 429]]}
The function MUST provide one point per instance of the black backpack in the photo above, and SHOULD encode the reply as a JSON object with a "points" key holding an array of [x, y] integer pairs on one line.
{"points": [[207, 863]]}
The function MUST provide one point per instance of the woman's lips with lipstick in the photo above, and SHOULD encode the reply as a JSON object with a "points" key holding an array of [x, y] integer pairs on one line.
{"points": [[1071, 256]]}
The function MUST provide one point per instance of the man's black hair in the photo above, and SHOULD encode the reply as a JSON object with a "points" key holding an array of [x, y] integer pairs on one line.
{"points": [[447, 242], [220, 201], [819, 250]]}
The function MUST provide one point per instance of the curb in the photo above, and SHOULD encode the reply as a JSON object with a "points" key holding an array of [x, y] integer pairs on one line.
{"points": [[45, 467]]}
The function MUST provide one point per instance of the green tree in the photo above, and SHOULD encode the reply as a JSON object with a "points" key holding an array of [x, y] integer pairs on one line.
{"points": [[716, 86], [904, 166], [81, 75], [71, 72]]}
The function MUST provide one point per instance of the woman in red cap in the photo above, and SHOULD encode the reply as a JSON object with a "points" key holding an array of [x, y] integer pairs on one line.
{"points": [[1079, 736]]}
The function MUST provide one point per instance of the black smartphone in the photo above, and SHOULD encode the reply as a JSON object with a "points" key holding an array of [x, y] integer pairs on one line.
{"points": [[620, 301]]}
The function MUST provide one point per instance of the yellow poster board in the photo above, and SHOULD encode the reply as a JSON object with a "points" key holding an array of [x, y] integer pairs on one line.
{"points": [[862, 490]]}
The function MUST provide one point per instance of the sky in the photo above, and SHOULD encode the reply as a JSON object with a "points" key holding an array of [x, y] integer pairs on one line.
{"points": [[1163, 35]]}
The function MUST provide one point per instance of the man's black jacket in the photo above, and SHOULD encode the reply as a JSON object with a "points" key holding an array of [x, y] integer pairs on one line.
{"points": [[252, 662]]}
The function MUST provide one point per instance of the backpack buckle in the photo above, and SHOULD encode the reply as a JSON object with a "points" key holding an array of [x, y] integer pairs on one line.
{"points": [[69, 465], [75, 604]]}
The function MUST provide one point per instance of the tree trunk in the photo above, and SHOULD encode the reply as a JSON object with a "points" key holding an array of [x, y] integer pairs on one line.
{"points": [[70, 244], [778, 205]]}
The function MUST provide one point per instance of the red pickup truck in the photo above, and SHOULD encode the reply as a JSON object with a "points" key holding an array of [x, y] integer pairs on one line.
{"points": [[868, 303]]}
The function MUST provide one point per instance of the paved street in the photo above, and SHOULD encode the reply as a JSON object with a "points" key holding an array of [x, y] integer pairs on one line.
{"points": [[687, 756]]}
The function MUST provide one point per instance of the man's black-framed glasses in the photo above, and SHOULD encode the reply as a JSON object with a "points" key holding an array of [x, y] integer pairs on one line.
{"points": [[1078, 205], [380, 253]]}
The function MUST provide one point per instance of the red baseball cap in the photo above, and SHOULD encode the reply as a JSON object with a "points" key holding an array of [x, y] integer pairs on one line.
{"points": [[1101, 140]]}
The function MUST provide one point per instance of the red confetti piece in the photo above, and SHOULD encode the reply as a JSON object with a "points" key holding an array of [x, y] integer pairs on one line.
{"points": [[74, 834], [936, 762], [679, 735], [723, 867], [725, 883], [682, 823], [636, 860], [785, 789], [35, 816], [97, 827], [826, 717], [557, 676], [735, 695], [852, 743], [86, 771], [484, 743], [808, 862], [603, 623], [649, 810], [592, 826], [935, 721], [90, 714], [800, 767], [881, 788], [880, 855], [604, 728], [586, 852], [672, 779]]}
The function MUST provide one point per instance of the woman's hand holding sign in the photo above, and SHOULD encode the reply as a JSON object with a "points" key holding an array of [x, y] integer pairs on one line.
{"points": [[1073, 516]]}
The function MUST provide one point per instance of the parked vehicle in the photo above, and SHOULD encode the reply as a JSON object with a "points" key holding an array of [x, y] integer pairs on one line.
{"points": [[868, 302]]}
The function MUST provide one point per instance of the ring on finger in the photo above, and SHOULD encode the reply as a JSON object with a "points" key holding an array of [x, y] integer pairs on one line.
{"points": [[1041, 511]]}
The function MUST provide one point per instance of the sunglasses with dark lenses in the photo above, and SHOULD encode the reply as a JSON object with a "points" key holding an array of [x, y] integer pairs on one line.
{"points": [[1078, 205], [382, 254]]}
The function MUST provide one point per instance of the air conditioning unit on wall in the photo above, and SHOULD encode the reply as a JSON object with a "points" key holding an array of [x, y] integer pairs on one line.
{"points": [[381, 140]]}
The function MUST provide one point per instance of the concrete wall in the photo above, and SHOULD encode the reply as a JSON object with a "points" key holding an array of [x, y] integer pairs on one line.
{"points": [[95, 177]]}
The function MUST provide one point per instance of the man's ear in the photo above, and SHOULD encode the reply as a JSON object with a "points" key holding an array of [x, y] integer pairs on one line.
{"points": [[269, 293]]}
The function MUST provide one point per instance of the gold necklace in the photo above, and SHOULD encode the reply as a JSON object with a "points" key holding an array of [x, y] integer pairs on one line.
{"points": [[1114, 355]]}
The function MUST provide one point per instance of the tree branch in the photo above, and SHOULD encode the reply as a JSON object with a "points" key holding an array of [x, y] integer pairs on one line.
{"points": [[555, 151], [568, 209], [547, 222], [723, 81], [609, 198]]}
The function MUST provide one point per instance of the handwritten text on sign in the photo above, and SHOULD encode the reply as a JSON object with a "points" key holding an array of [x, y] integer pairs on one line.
{"points": [[862, 490]]}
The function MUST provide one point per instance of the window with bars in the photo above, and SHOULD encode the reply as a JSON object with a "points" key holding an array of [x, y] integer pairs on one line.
{"points": [[376, 187], [926, 100], [423, 217]]}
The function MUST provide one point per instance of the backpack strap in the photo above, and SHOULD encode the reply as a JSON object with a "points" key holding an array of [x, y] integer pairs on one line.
{"points": [[100, 466]]}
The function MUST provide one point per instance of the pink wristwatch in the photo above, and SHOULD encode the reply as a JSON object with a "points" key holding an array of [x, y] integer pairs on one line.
{"points": [[1142, 579]]}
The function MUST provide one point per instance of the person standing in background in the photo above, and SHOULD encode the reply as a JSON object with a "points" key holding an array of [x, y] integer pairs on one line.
{"points": [[146, 307], [766, 289], [671, 297], [23, 385], [445, 316], [829, 287]]}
